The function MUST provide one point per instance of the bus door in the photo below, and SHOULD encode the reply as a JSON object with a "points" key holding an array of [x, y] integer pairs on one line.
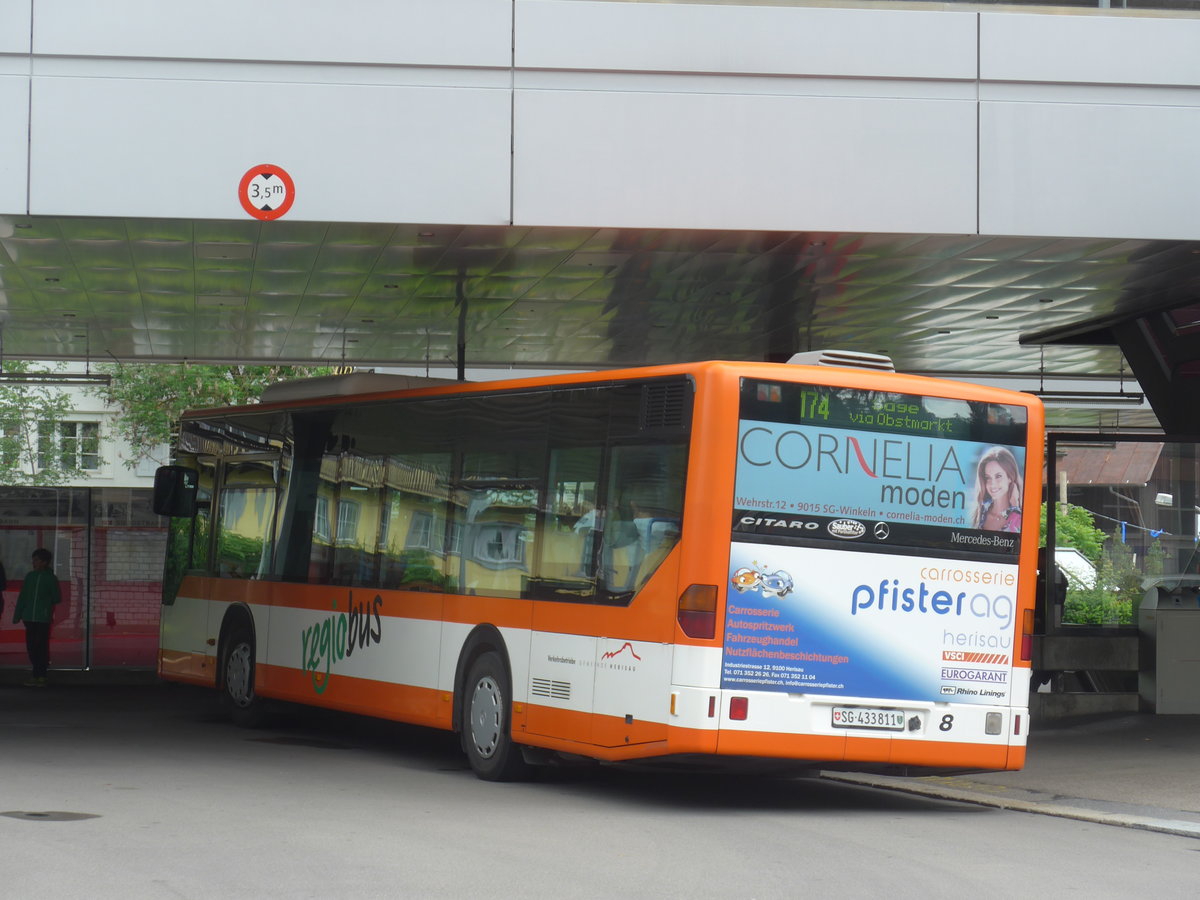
{"points": [[563, 587], [599, 649], [183, 641], [244, 525]]}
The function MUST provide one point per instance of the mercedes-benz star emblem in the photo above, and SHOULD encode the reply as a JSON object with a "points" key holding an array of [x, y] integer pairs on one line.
{"points": [[882, 531]]}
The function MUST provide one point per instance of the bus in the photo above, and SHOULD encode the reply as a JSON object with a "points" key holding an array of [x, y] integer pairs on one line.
{"points": [[813, 564]]}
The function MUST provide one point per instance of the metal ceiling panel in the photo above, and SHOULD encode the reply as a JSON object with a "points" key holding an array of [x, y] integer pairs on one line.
{"points": [[373, 294]]}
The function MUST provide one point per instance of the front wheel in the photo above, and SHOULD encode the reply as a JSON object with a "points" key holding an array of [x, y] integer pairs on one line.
{"points": [[487, 722], [237, 674]]}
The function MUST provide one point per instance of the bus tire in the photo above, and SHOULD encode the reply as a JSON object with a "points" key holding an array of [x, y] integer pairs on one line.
{"points": [[245, 707], [487, 721]]}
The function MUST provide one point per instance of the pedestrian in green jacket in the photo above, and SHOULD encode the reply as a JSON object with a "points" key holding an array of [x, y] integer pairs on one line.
{"points": [[35, 607]]}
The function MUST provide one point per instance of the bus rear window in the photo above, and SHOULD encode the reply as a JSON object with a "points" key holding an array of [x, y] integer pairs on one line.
{"points": [[839, 465]]}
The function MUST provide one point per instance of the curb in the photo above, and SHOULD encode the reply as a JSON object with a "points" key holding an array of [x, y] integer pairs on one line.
{"points": [[990, 795], [103, 677]]}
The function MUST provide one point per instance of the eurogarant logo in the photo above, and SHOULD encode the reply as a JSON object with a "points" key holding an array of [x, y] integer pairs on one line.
{"points": [[978, 676]]}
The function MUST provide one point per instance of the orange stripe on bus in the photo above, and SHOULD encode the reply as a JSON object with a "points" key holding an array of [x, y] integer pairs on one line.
{"points": [[838, 748], [193, 668], [783, 746]]}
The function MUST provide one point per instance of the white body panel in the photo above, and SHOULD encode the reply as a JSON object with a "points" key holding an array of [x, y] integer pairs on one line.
{"points": [[634, 680]]}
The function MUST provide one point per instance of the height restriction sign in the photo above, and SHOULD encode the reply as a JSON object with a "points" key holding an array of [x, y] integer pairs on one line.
{"points": [[266, 192]]}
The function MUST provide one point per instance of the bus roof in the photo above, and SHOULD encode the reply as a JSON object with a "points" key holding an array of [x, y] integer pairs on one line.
{"points": [[337, 389]]}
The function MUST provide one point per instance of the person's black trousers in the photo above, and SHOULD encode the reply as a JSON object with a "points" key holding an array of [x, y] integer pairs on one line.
{"points": [[37, 642]]}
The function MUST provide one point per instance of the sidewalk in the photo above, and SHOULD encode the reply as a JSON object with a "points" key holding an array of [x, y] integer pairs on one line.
{"points": [[1136, 771]]}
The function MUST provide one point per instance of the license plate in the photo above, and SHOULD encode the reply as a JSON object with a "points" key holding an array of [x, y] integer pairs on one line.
{"points": [[868, 717]]}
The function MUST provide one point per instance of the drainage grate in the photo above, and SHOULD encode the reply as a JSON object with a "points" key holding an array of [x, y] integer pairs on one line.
{"points": [[50, 816]]}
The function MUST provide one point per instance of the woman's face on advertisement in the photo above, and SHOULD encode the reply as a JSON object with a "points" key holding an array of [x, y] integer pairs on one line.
{"points": [[996, 481]]}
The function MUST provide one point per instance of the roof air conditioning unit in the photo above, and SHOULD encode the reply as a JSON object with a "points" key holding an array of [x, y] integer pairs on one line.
{"points": [[845, 359]]}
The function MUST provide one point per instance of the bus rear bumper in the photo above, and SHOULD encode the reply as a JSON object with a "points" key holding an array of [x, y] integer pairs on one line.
{"points": [[815, 729]]}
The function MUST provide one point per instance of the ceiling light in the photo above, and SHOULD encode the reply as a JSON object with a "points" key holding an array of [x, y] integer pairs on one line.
{"points": [[1090, 398], [53, 378]]}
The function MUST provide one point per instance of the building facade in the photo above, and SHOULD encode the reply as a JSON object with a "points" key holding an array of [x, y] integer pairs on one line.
{"points": [[98, 524]]}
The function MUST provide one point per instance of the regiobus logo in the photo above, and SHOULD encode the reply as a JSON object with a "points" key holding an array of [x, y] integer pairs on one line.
{"points": [[337, 636]]}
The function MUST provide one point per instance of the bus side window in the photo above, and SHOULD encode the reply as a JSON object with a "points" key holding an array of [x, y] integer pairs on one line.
{"points": [[571, 526], [644, 511], [497, 488], [412, 535], [357, 520], [246, 520], [188, 538]]}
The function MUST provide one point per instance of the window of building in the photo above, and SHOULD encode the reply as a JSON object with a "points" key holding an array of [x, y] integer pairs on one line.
{"points": [[321, 520], [347, 523], [69, 445]]}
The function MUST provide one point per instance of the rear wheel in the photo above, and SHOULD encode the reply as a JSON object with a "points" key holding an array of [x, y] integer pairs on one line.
{"points": [[487, 722], [237, 675]]}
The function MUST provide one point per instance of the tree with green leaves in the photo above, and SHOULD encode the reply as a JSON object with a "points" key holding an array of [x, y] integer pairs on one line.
{"points": [[1075, 527], [148, 399], [1112, 597], [32, 435]]}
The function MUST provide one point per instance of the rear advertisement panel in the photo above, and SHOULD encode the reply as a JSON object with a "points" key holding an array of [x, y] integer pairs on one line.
{"points": [[875, 543], [841, 623]]}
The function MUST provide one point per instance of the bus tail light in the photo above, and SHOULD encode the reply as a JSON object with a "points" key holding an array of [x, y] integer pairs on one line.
{"points": [[739, 708], [697, 614], [1027, 635]]}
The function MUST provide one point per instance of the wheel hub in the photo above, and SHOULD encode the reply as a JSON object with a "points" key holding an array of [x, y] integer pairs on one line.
{"points": [[486, 718]]}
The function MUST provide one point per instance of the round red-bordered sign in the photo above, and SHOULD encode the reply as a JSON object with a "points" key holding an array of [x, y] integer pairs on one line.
{"points": [[266, 192]]}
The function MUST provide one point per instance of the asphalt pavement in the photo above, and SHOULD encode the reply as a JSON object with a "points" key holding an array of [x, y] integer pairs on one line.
{"points": [[1135, 771]]}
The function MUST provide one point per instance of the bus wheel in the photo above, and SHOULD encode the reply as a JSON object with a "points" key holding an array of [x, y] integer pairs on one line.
{"points": [[237, 675], [487, 722]]}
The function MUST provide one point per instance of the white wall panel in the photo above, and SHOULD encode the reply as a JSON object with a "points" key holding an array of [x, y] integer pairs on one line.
{"points": [[14, 142], [15, 16], [127, 147], [1082, 170], [736, 38], [609, 158], [1089, 49], [413, 32]]}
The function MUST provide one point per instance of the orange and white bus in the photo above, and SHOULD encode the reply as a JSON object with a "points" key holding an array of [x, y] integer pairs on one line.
{"points": [[708, 561]]}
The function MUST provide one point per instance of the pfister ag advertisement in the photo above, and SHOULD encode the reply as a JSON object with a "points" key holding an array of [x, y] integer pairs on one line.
{"points": [[869, 625]]}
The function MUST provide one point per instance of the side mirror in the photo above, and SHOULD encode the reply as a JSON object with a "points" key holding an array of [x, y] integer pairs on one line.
{"points": [[175, 490]]}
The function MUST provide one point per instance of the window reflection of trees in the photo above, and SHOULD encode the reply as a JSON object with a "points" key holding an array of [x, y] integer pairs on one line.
{"points": [[525, 495]]}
